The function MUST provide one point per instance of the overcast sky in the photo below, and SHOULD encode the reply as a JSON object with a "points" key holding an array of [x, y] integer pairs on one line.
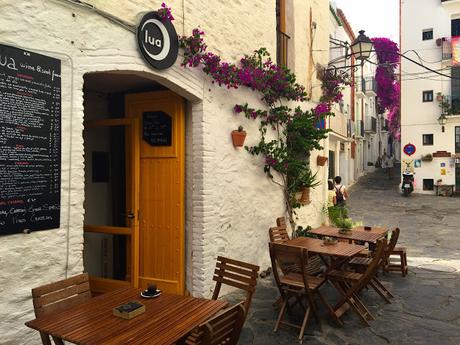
{"points": [[379, 18]]}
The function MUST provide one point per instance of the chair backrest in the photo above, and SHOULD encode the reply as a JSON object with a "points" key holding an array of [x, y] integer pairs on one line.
{"points": [[278, 234], [284, 257], [222, 329], [393, 240], [281, 222], [61, 294], [239, 274], [372, 268]]}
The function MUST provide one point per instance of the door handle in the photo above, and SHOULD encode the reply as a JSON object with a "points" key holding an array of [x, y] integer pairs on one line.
{"points": [[130, 215]]}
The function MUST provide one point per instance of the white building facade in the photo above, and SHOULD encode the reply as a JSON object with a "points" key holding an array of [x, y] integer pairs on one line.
{"points": [[197, 198], [430, 40]]}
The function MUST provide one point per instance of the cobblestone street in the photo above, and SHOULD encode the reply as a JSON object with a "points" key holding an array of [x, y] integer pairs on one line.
{"points": [[426, 307]]}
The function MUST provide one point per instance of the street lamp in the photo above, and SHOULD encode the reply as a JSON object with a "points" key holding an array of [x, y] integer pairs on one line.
{"points": [[442, 120], [361, 47]]}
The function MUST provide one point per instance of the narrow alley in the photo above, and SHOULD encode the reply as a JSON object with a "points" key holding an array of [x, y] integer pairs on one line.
{"points": [[426, 307]]}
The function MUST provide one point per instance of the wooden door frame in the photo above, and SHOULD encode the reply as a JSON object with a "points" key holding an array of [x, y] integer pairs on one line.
{"points": [[132, 203]]}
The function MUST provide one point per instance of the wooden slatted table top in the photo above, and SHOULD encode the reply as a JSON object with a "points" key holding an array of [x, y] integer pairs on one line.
{"points": [[342, 249], [357, 234], [166, 319]]}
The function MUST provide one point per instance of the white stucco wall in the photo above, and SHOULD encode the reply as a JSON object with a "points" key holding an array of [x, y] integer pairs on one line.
{"points": [[230, 203], [417, 117]]}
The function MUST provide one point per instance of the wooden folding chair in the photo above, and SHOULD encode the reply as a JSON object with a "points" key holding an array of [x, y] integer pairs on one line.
{"points": [[360, 263], [222, 329], [281, 222], [238, 274], [278, 234], [295, 285], [364, 261], [58, 296], [402, 264], [349, 284]]}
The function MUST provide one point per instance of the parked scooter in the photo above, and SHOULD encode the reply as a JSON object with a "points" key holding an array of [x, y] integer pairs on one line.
{"points": [[407, 183]]}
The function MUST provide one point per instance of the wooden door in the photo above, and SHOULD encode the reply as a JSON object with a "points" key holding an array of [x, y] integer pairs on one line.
{"points": [[161, 200], [111, 203]]}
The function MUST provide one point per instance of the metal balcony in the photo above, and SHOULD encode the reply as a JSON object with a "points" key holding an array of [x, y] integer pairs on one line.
{"points": [[446, 48], [450, 105], [370, 124], [360, 87], [371, 86]]}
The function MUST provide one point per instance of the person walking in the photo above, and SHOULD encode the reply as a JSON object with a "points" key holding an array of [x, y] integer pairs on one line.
{"points": [[341, 193], [390, 165], [331, 197]]}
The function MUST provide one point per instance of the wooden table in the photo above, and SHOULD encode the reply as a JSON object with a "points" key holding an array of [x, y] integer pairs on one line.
{"points": [[447, 188], [167, 319], [340, 249], [357, 234]]}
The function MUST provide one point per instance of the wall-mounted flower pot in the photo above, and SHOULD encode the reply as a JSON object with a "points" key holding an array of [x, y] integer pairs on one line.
{"points": [[427, 158], [238, 138], [305, 196], [321, 160]]}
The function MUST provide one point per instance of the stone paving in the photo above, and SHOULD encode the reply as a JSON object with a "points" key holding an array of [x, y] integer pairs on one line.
{"points": [[426, 307]]}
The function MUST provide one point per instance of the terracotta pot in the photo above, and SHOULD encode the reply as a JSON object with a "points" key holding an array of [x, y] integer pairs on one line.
{"points": [[238, 138], [439, 98], [305, 197], [321, 160]]}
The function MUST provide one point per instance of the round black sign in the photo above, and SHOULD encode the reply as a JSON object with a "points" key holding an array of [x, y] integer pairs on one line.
{"points": [[157, 41]]}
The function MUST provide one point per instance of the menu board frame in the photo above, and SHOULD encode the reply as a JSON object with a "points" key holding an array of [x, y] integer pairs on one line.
{"points": [[30, 141]]}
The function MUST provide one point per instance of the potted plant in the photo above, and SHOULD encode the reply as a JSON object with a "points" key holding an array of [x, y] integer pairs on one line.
{"points": [[238, 137], [321, 160], [439, 97], [305, 181], [427, 158], [344, 225]]}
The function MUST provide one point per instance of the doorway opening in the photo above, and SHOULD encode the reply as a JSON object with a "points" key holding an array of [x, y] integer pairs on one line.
{"points": [[123, 141]]}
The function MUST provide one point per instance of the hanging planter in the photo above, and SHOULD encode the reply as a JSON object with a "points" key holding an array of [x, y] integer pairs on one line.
{"points": [[321, 160], [238, 137]]}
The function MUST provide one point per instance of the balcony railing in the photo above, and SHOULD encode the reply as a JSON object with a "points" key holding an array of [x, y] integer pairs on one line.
{"points": [[450, 105], [338, 124], [360, 128], [370, 85], [384, 126], [282, 48], [446, 45], [350, 128], [370, 124], [360, 86]]}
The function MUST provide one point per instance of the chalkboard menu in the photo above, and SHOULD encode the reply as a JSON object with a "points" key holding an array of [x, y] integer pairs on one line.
{"points": [[30, 141], [157, 128]]}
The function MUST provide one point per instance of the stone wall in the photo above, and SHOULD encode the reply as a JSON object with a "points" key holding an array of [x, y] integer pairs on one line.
{"points": [[229, 201]]}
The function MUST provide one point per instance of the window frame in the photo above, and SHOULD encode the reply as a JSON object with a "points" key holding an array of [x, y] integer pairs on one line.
{"points": [[426, 142], [427, 31], [429, 96]]}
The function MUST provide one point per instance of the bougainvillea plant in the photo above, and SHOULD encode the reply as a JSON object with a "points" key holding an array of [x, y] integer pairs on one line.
{"points": [[296, 134], [388, 88], [165, 13]]}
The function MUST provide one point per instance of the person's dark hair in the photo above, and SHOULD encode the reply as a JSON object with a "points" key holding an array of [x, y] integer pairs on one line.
{"points": [[338, 179], [330, 185]]}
